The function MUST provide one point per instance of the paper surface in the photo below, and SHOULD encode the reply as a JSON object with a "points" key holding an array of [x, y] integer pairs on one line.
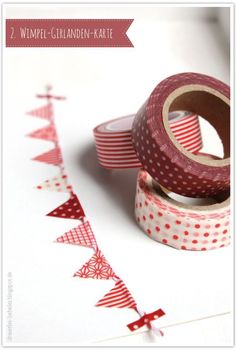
{"points": [[49, 306]]}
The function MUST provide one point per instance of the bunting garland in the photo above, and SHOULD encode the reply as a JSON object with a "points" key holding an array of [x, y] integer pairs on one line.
{"points": [[97, 267]]}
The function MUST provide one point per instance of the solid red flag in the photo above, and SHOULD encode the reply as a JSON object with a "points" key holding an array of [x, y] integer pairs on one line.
{"points": [[71, 209]]}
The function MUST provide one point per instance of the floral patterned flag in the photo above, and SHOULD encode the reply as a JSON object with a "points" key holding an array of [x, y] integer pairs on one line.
{"points": [[97, 267]]}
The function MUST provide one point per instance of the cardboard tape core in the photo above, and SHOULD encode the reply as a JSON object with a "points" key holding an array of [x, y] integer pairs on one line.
{"points": [[210, 105], [211, 203]]}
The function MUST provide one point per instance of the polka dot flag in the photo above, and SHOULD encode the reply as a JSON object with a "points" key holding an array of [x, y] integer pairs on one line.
{"points": [[71, 209], [58, 183]]}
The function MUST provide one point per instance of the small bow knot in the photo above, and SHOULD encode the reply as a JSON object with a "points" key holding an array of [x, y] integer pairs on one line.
{"points": [[146, 319], [50, 96]]}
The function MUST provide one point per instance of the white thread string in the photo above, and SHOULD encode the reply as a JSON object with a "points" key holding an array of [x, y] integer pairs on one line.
{"points": [[156, 331], [168, 326]]}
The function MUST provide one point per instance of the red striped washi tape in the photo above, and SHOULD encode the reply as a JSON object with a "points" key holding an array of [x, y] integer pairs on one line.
{"points": [[114, 141], [114, 144], [182, 226], [166, 160]]}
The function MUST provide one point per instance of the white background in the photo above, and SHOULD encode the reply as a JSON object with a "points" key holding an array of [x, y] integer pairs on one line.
{"points": [[49, 306]]}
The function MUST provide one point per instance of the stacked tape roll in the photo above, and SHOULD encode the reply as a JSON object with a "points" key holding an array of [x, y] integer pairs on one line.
{"points": [[182, 226], [114, 144], [166, 160], [114, 141]]}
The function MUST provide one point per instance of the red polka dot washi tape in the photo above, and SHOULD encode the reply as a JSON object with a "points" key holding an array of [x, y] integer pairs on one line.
{"points": [[114, 141], [182, 226], [166, 160]]}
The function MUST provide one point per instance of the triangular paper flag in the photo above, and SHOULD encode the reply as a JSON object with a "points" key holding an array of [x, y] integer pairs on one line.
{"points": [[97, 267], [81, 235], [71, 209], [45, 112], [47, 133], [119, 296], [58, 183], [53, 157]]}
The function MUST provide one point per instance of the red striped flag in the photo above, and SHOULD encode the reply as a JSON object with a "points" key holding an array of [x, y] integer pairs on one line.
{"points": [[45, 112], [119, 296], [46, 133], [53, 157]]}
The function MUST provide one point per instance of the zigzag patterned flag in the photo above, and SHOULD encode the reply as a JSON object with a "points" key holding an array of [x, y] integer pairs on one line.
{"points": [[45, 112], [119, 296], [71, 209], [97, 267], [58, 183], [81, 235], [53, 157], [47, 133]]}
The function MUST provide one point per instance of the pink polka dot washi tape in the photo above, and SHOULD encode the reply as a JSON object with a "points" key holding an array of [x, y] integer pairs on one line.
{"points": [[166, 160], [114, 141], [182, 226]]}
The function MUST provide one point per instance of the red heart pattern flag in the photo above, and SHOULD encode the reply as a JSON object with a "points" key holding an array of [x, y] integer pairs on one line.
{"points": [[71, 209], [97, 267], [45, 112], [52, 157], [58, 183], [119, 296], [81, 235], [47, 133]]}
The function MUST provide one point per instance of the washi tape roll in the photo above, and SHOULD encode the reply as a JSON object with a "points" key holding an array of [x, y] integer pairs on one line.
{"points": [[165, 159], [182, 226], [114, 142]]}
